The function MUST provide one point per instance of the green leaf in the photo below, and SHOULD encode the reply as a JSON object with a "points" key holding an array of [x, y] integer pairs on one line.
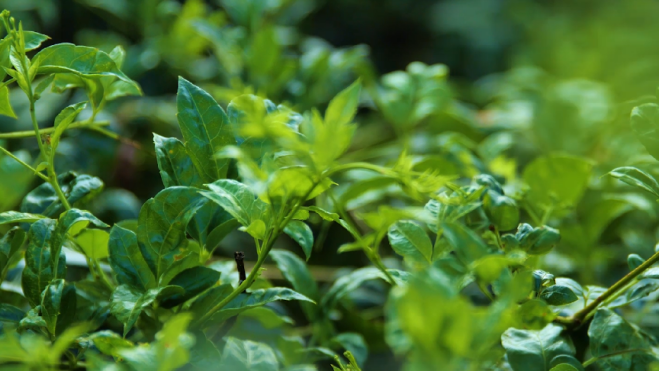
{"points": [[302, 234], [253, 299], [50, 304], [169, 352], [10, 243], [77, 189], [501, 210], [533, 350], [448, 213], [326, 215], [79, 60], [162, 223], [39, 270], [558, 295], [556, 180], [467, 244], [342, 108], [564, 367], [33, 40], [218, 233], [565, 360], [410, 241], [205, 129], [245, 355], [267, 317], [611, 336], [127, 304], [176, 167], [208, 217], [65, 223], [5, 105], [536, 240], [16, 217], [236, 199], [109, 343], [645, 122], [9, 313], [349, 282], [94, 243], [207, 300], [637, 178], [295, 271], [62, 122], [193, 281], [127, 261]]}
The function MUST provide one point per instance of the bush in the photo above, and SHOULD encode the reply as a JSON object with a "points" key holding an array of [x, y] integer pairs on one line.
{"points": [[478, 233]]}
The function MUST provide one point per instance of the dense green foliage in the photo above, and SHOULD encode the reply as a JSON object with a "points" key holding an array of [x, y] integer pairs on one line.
{"points": [[517, 233]]}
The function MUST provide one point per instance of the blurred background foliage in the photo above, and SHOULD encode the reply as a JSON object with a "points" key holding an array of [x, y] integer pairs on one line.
{"points": [[495, 84]]}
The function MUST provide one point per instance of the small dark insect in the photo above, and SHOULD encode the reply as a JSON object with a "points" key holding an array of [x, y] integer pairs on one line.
{"points": [[240, 265]]}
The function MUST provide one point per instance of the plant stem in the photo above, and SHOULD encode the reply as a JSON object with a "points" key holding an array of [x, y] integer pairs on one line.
{"points": [[358, 165], [265, 249], [37, 173], [30, 133], [52, 175], [579, 317]]}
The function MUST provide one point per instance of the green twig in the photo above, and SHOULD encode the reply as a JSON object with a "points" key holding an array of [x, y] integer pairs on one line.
{"points": [[578, 318], [37, 173], [30, 133], [253, 274]]}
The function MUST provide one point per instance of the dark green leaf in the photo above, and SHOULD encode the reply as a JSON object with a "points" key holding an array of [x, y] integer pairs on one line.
{"points": [[77, 188], [533, 350], [205, 129], [611, 336], [253, 299], [162, 224], [467, 244], [10, 243], [65, 223], [349, 282], [9, 313], [558, 295], [50, 303], [176, 167], [300, 233], [537, 240], [128, 303], [127, 261], [38, 270], [296, 272], [501, 210], [17, 217], [194, 281]]}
